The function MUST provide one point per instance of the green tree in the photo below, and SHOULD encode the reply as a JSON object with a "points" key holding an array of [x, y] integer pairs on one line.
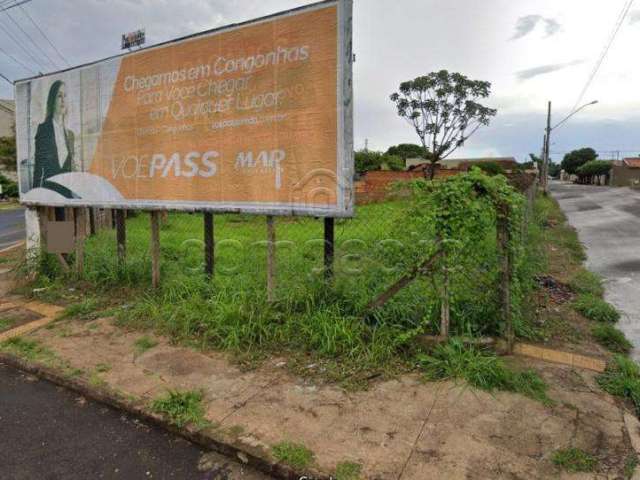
{"points": [[8, 153], [491, 168], [576, 158], [368, 160], [406, 150], [444, 111], [593, 170]]}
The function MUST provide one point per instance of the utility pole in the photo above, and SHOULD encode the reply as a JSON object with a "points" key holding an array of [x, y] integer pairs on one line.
{"points": [[545, 169]]}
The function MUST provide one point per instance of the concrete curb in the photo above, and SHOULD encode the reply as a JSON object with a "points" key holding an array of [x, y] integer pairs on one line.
{"points": [[208, 439]]}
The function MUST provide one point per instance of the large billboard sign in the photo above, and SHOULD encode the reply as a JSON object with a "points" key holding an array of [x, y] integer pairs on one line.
{"points": [[255, 117]]}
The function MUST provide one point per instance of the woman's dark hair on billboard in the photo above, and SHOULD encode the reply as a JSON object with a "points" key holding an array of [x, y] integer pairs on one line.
{"points": [[54, 151]]}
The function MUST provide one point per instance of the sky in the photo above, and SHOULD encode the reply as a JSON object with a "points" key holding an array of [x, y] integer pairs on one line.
{"points": [[532, 51]]}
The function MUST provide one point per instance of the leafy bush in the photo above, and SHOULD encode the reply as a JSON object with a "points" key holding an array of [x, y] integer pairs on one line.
{"points": [[481, 370], [622, 378], [611, 338], [596, 309], [587, 282], [574, 460]]}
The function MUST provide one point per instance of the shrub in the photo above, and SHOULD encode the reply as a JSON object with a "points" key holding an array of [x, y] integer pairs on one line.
{"points": [[481, 370], [611, 338], [622, 379], [595, 308], [574, 460]]}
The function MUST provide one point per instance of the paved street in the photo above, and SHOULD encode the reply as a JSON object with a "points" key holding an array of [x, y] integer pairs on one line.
{"points": [[11, 227], [47, 432], [608, 222]]}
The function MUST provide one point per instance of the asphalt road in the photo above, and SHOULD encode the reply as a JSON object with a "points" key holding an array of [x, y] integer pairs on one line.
{"points": [[11, 227], [49, 433], [608, 223]]}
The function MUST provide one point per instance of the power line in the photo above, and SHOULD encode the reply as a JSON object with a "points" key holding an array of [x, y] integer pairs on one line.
{"points": [[5, 78], [44, 35], [6, 5], [38, 49], [614, 34], [19, 44], [17, 61]]}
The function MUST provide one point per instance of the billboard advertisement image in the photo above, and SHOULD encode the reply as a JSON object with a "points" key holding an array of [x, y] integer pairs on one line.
{"points": [[255, 117]]}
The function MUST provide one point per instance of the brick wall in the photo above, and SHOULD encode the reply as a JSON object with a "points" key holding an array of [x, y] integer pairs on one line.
{"points": [[377, 186]]}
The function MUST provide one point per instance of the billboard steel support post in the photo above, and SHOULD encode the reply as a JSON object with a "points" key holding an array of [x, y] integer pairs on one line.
{"points": [[271, 258], [79, 220], [155, 248], [121, 235], [209, 245], [329, 247]]}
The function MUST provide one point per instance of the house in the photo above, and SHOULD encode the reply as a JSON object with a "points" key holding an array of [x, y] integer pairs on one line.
{"points": [[625, 173], [7, 118], [507, 163]]}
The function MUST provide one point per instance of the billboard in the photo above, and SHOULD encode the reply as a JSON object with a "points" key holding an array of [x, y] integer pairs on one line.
{"points": [[254, 117]]}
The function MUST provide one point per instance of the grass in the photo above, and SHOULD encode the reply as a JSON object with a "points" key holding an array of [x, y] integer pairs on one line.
{"points": [[595, 308], [348, 471], [611, 338], [309, 318], [622, 379], [143, 344], [5, 323], [87, 309], [295, 455], [574, 460], [586, 282], [630, 465], [181, 408], [28, 349], [481, 370]]}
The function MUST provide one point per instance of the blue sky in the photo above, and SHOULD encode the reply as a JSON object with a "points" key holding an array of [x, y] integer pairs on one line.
{"points": [[531, 50]]}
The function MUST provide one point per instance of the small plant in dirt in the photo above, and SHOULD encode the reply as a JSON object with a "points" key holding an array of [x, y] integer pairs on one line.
{"points": [[630, 465], [596, 309], [348, 471], [587, 282], [144, 343], [481, 370], [574, 460], [622, 378], [611, 338], [181, 408], [88, 309], [28, 349], [103, 368], [5, 323], [295, 455]]}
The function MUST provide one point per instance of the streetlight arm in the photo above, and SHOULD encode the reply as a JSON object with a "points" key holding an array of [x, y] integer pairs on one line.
{"points": [[573, 113]]}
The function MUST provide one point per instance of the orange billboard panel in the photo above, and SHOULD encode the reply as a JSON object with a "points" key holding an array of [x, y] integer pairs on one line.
{"points": [[254, 117]]}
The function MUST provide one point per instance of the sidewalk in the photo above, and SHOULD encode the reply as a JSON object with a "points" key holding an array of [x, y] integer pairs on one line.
{"points": [[401, 429]]}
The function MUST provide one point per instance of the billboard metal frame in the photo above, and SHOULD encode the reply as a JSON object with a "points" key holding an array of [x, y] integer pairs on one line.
{"points": [[345, 162]]}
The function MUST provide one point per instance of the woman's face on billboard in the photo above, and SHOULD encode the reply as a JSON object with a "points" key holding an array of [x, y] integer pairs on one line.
{"points": [[61, 101]]}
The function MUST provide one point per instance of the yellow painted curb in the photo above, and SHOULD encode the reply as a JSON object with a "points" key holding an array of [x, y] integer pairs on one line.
{"points": [[48, 312], [557, 356]]}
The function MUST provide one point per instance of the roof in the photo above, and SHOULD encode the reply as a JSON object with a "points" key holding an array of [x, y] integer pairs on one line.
{"points": [[9, 105], [632, 162]]}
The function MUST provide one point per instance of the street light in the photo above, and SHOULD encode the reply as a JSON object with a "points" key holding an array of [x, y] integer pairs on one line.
{"points": [[547, 138]]}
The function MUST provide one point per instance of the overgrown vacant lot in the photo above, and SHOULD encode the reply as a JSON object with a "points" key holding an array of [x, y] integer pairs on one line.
{"points": [[326, 320]]}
